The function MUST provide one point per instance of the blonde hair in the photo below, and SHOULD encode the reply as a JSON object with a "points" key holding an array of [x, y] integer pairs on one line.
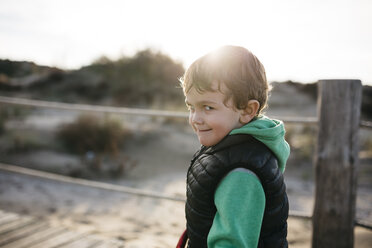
{"points": [[237, 68]]}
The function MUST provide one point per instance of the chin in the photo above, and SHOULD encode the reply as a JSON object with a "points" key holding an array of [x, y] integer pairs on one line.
{"points": [[207, 143]]}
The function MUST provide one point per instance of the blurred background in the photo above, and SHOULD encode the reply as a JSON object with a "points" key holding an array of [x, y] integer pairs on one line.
{"points": [[132, 54]]}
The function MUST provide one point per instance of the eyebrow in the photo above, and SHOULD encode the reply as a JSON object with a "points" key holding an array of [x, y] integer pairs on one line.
{"points": [[201, 102]]}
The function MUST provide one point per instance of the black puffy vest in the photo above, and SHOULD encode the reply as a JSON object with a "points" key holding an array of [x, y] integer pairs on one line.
{"points": [[211, 164]]}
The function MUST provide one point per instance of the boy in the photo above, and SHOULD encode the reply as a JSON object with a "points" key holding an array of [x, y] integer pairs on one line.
{"points": [[235, 190]]}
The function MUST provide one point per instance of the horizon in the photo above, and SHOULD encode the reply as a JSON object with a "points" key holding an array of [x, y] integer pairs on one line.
{"points": [[301, 42], [272, 81]]}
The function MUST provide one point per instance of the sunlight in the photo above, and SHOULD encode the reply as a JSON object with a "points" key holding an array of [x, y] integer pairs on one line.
{"points": [[294, 40]]}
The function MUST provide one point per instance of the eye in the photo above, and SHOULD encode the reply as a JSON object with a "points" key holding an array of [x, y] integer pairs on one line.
{"points": [[208, 108]]}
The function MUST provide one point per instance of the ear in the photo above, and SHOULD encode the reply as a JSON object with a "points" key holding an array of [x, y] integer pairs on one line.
{"points": [[247, 114]]}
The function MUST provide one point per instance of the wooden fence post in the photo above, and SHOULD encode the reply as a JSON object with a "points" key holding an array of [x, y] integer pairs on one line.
{"points": [[335, 163]]}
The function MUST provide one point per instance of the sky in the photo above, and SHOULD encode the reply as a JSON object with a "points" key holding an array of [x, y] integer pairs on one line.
{"points": [[302, 41]]}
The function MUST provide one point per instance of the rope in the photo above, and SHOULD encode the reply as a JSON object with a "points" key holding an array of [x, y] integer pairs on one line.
{"points": [[137, 111], [92, 108], [121, 110], [88, 183]]}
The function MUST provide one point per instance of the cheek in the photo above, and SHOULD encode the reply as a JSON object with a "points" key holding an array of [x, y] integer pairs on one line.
{"points": [[190, 121]]}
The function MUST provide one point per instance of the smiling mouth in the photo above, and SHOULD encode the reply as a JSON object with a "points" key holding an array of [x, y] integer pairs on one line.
{"points": [[202, 131]]}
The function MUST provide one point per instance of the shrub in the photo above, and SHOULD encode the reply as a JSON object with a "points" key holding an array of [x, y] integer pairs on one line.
{"points": [[148, 78], [92, 138], [90, 134]]}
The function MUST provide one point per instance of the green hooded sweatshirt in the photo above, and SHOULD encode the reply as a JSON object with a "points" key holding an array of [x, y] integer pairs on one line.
{"points": [[235, 226], [271, 133]]}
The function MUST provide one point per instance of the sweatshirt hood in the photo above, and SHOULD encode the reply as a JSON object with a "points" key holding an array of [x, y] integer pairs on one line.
{"points": [[271, 133]]}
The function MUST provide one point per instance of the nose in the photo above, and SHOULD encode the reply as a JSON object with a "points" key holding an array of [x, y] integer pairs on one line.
{"points": [[196, 117]]}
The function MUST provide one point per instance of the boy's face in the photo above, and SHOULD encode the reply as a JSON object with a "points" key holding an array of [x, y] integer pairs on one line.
{"points": [[210, 118]]}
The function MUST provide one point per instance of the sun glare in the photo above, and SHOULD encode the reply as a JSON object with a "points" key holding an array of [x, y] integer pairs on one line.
{"points": [[292, 39]]}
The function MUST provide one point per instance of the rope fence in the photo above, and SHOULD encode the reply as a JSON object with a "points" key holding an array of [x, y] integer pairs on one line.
{"points": [[92, 108], [140, 112], [88, 183], [122, 110], [128, 190]]}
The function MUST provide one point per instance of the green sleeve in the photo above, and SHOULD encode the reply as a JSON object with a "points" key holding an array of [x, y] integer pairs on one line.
{"points": [[240, 202]]}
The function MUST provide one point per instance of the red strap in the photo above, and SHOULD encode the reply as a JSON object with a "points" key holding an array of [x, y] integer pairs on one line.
{"points": [[182, 242]]}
